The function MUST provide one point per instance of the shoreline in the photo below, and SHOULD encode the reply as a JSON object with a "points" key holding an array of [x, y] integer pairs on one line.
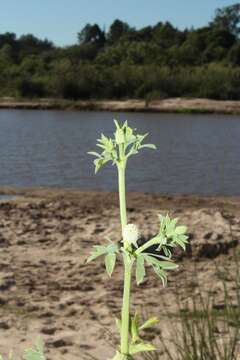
{"points": [[172, 105], [107, 199], [47, 288]]}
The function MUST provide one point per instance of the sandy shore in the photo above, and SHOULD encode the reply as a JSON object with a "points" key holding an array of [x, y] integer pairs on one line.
{"points": [[175, 105], [47, 289]]}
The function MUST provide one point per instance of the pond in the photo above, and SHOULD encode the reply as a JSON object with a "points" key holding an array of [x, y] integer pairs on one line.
{"points": [[197, 154]]}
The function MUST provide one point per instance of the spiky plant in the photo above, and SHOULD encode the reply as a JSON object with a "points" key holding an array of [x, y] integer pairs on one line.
{"points": [[118, 149]]}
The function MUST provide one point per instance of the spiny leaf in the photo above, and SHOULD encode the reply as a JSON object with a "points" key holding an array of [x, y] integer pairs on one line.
{"points": [[181, 230], [140, 269], [149, 146], [119, 324], [99, 250], [134, 328], [93, 153], [162, 274], [141, 347], [110, 260], [167, 265], [149, 323]]}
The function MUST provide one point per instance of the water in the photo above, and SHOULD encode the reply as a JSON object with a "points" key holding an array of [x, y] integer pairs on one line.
{"points": [[196, 153], [7, 197]]}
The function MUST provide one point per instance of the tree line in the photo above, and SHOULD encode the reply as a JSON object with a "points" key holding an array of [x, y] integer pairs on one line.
{"points": [[152, 62]]}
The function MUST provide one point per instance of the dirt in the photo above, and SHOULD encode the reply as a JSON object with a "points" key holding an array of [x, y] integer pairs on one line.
{"points": [[178, 105], [47, 289]]}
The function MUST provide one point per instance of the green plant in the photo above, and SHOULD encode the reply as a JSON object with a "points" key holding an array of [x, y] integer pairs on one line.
{"points": [[36, 353], [118, 150], [204, 329]]}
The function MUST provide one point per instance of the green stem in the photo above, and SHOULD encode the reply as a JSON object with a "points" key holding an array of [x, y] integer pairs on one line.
{"points": [[126, 305], [122, 194], [126, 256], [149, 243]]}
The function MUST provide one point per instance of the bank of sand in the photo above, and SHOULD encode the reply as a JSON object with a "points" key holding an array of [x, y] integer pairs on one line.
{"points": [[46, 288], [177, 105]]}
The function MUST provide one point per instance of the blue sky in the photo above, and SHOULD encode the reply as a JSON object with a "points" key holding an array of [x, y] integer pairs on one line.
{"points": [[60, 20]]}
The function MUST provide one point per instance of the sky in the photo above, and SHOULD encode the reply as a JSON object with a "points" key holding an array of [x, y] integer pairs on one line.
{"points": [[60, 20]]}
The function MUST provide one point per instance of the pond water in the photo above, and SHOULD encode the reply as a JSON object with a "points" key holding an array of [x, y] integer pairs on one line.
{"points": [[197, 154]]}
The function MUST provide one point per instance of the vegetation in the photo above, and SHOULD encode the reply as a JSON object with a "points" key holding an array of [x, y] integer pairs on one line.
{"points": [[155, 61], [36, 353], [204, 329], [118, 150]]}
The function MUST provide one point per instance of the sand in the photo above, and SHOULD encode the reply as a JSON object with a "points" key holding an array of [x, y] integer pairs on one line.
{"points": [[47, 288], [177, 105]]}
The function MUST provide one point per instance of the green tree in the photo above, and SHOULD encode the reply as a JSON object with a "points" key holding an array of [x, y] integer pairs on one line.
{"points": [[117, 29], [91, 34], [228, 18]]}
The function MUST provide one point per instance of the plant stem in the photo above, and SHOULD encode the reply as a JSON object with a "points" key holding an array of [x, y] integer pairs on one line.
{"points": [[122, 194], [126, 305], [126, 256], [146, 245]]}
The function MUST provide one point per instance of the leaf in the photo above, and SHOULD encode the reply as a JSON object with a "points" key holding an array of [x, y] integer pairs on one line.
{"points": [[134, 328], [93, 153], [35, 354], [119, 136], [99, 163], [116, 124], [162, 274], [167, 265], [110, 261], [98, 250], [40, 345], [180, 230], [119, 324], [141, 347], [118, 356], [151, 260], [149, 146], [10, 356], [140, 269], [149, 323]]}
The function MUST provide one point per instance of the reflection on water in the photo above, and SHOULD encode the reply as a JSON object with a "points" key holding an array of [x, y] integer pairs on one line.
{"points": [[7, 197], [196, 153]]}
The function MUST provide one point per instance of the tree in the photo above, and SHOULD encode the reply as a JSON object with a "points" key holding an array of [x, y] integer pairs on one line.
{"points": [[8, 38], [228, 18], [117, 29], [91, 34], [6, 54], [165, 35], [234, 54]]}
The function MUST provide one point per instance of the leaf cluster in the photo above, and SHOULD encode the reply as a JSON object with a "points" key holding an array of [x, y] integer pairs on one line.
{"points": [[136, 326], [118, 149], [170, 235], [109, 251]]}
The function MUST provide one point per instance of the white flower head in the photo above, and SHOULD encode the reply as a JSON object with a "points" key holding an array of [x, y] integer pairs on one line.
{"points": [[131, 234]]}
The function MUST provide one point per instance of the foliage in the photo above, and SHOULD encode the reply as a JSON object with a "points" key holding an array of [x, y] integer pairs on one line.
{"points": [[201, 329], [124, 62], [36, 353], [124, 136], [228, 18]]}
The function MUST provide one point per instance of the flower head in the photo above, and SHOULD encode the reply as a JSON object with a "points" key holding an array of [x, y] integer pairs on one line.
{"points": [[131, 234]]}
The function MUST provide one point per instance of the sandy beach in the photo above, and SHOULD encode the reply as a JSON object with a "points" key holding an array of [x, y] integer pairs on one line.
{"points": [[174, 105], [47, 289]]}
